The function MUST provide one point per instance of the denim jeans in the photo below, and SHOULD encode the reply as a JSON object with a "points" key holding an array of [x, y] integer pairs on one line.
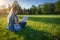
{"points": [[22, 24]]}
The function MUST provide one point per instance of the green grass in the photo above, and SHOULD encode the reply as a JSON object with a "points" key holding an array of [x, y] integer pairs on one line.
{"points": [[39, 28]]}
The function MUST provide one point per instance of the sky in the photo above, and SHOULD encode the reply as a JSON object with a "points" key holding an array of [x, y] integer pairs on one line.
{"points": [[26, 3]]}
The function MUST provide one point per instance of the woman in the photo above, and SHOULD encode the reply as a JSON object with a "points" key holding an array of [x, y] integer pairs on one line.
{"points": [[13, 20]]}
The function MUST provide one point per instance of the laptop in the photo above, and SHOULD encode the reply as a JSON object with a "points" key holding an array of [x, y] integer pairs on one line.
{"points": [[25, 18]]}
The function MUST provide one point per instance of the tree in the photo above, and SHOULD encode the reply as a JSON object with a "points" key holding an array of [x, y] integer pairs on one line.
{"points": [[15, 3], [3, 10], [58, 0], [57, 7], [39, 9], [48, 8], [9, 6], [24, 9], [33, 9], [52, 8], [45, 8]]}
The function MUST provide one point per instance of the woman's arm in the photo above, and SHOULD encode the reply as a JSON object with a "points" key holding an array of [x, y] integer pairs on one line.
{"points": [[15, 19]]}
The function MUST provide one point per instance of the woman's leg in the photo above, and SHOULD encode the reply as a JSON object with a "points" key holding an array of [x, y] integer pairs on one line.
{"points": [[22, 24], [10, 27]]}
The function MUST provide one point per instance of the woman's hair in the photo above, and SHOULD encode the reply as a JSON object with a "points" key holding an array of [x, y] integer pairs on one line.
{"points": [[14, 9]]}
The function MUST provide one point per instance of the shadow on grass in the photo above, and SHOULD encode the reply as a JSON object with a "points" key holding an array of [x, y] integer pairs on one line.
{"points": [[46, 20], [32, 34]]}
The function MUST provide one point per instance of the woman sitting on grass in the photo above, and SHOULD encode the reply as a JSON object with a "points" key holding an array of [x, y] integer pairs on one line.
{"points": [[13, 23]]}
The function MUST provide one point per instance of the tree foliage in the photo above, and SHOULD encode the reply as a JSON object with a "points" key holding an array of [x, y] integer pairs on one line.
{"points": [[33, 9], [57, 7]]}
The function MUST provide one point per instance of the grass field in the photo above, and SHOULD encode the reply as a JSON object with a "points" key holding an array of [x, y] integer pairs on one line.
{"points": [[44, 27]]}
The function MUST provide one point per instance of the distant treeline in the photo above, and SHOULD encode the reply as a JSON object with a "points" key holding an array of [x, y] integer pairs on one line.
{"points": [[46, 8]]}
